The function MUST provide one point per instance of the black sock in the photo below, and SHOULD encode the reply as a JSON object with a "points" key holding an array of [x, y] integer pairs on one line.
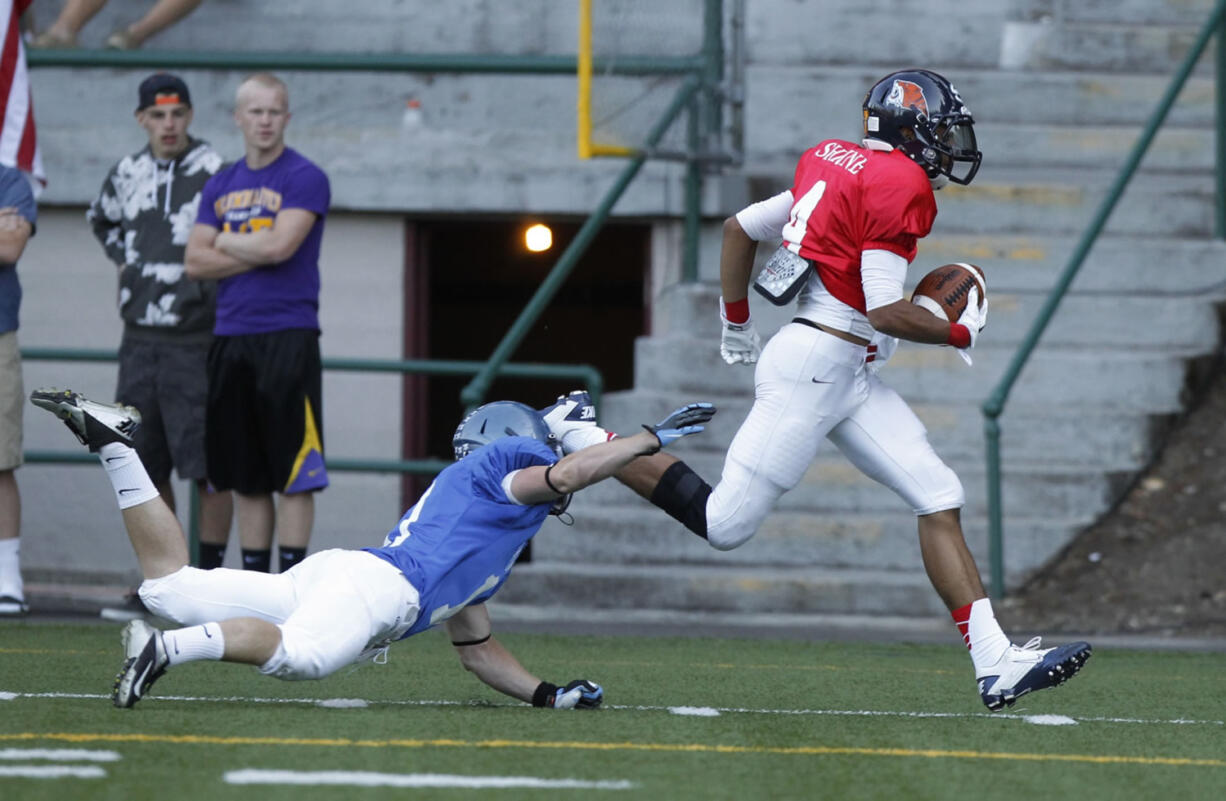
{"points": [[291, 557], [257, 560], [211, 556]]}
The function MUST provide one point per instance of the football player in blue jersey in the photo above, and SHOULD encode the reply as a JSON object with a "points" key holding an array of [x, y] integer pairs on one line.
{"points": [[449, 554]]}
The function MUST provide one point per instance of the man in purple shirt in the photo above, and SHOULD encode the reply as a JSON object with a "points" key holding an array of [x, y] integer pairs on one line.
{"points": [[258, 233]]}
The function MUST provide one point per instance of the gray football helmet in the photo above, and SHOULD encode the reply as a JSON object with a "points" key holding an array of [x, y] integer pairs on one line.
{"points": [[500, 419]]}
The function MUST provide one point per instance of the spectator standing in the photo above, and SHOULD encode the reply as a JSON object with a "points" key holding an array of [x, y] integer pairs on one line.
{"points": [[18, 215], [258, 232], [63, 32], [142, 217]]}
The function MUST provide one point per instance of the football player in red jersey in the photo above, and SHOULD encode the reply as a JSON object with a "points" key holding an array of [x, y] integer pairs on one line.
{"points": [[850, 225]]}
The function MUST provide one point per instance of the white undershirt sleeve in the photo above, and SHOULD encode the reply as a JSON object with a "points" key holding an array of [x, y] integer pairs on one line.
{"points": [[881, 274], [506, 488], [765, 219]]}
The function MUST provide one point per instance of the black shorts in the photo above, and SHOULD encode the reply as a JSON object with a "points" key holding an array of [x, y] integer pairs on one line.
{"points": [[168, 383], [265, 413]]}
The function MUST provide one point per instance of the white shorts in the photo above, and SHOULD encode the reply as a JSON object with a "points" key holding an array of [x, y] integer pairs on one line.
{"points": [[810, 386], [331, 607]]}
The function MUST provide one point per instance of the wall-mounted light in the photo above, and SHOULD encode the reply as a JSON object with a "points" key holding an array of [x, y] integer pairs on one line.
{"points": [[538, 237]]}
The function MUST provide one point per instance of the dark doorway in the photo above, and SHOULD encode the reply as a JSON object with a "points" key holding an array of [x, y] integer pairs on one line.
{"points": [[468, 280]]}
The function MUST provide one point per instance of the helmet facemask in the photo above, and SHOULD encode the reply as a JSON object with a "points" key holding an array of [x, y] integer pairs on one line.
{"points": [[921, 114]]}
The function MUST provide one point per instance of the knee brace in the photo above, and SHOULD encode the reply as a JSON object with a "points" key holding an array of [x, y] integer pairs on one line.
{"points": [[683, 494]]}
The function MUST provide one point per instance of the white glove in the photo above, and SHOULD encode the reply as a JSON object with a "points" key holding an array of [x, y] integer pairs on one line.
{"points": [[739, 343], [974, 318]]}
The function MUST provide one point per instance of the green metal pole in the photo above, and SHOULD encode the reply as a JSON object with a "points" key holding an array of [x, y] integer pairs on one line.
{"points": [[193, 522], [996, 559], [1220, 116], [474, 392], [693, 199], [360, 62]]}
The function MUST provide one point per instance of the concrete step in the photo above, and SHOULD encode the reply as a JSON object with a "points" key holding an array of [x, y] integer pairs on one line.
{"points": [[1113, 380], [1123, 44], [1176, 319], [832, 485], [806, 105], [642, 535], [1038, 435], [716, 589], [1117, 264], [638, 27], [1136, 12]]}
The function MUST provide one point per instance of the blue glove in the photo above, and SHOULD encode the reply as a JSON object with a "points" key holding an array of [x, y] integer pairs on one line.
{"points": [[579, 694], [681, 423]]}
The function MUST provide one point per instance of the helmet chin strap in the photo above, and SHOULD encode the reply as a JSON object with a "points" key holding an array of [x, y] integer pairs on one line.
{"points": [[940, 181]]}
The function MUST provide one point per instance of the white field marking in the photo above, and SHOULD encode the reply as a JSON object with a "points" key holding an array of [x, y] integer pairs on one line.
{"points": [[52, 771], [350, 778], [1049, 720], [344, 703], [695, 711], [7, 696], [868, 713], [65, 754]]}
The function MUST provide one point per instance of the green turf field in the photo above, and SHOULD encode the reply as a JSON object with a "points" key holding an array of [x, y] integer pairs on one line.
{"points": [[765, 720]]}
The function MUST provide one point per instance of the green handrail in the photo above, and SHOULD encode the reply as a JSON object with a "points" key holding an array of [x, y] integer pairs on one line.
{"points": [[360, 62], [587, 374], [994, 406]]}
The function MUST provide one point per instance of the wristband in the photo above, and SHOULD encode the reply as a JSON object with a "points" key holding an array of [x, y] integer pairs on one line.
{"points": [[959, 336], [736, 312], [549, 483], [544, 694]]}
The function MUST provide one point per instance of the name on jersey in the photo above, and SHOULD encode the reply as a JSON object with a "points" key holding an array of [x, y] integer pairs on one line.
{"points": [[850, 159], [269, 199]]}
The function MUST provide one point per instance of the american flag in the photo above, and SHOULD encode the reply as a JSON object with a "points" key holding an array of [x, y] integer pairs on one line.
{"points": [[18, 140]]}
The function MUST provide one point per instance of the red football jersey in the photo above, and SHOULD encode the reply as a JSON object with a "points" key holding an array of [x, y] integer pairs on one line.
{"points": [[849, 199]]}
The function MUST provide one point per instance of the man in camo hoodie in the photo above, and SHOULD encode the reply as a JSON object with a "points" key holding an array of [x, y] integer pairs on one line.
{"points": [[142, 217]]}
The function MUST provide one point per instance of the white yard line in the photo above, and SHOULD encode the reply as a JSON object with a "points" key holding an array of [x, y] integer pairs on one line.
{"points": [[52, 772], [64, 754], [868, 713], [346, 778]]}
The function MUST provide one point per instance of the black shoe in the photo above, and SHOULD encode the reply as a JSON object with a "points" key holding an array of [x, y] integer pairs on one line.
{"points": [[95, 424]]}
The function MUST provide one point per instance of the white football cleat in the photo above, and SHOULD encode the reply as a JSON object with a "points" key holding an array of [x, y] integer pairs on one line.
{"points": [[570, 413], [146, 660], [1026, 669], [94, 424]]}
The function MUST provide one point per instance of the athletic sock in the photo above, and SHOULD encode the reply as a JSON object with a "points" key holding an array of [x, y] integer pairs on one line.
{"points": [[194, 643], [585, 437], [290, 557], [10, 569], [260, 560], [131, 483], [211, 555], [982, 634]]}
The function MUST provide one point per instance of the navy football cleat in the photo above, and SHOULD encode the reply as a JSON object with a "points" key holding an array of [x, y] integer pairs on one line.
{"points": [[94, 424], [1026, 669]]}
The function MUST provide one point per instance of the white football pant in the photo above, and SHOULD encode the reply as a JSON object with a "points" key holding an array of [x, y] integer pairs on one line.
{"points": [[331, 607], [810, 386]]}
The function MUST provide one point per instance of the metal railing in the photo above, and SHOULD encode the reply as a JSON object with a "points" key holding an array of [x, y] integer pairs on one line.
{"points": [[994, 406], [587, 374]]}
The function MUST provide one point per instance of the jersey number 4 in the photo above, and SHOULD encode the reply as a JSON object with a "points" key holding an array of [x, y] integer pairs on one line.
{"points": [[798, 223]]}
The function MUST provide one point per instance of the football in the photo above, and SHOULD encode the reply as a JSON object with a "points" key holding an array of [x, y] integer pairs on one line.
{"points": [[943, 291]]}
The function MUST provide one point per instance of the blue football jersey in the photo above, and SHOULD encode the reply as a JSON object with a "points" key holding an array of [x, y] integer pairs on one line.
{"points": [[457, 544]]}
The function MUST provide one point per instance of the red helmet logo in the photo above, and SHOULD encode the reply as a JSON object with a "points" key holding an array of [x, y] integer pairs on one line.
{"points": [[907, 95]]}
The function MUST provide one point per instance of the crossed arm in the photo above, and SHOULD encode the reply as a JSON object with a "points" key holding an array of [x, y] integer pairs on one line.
{"points": [[15, 231], [221, 254]]}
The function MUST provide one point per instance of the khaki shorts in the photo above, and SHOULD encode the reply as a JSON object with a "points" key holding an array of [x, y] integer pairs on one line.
{"points": [[12, 401]]}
